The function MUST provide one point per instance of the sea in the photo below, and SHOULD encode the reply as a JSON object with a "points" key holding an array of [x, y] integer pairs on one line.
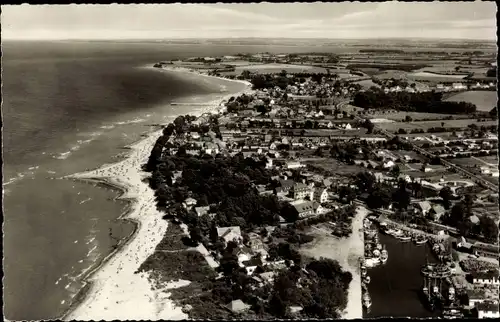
{"points": [[69, 107]]}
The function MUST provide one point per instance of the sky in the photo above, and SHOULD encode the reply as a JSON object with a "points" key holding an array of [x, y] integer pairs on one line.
{"points": [[343, 20]]}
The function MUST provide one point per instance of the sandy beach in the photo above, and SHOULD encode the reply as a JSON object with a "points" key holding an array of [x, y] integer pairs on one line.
{"points": [[348, 252], [114, 291]]}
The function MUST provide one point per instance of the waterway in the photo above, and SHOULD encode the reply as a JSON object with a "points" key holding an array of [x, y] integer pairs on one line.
{"points": [[394, 287]]}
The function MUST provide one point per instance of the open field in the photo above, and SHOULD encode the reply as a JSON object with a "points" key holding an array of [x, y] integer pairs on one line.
{"points": [[336, 167], [367, 83], [412, 154], [490, 160], [429, 124], [276, 68], [416, 116], [484, 100]]}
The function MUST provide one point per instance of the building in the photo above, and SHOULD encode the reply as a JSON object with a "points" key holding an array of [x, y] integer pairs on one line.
{"points": [[200, 211], [319, 195], [189, 202], [294, 165], [304, 208], [485, 250], [238, 306], [487, 310], [300, 191], [490, 278], [176, 175], [424, 206], [232, 233]]}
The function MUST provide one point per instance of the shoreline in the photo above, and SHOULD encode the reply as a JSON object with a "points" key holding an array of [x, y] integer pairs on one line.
{"points": [[118, 268], [347, 252]]}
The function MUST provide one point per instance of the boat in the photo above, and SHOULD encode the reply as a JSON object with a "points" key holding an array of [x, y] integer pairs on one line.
{"points": [[421, 240], [376, 253], [397, 233], [367, 301], [363, 271], [451, 294], [427, 298], [372, 261], [367, 279], [404, 237], [379, 246], [384, 255]]}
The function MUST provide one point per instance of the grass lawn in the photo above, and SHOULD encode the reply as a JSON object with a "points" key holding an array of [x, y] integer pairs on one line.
{"points": [[484, 100]]}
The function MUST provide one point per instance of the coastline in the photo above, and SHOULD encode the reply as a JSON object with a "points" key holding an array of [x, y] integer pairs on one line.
{"points": [[348, 252], [112, 290]]}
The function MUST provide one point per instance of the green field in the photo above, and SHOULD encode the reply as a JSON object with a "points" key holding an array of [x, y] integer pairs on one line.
{"points": [[429, 124], [484, 100]]}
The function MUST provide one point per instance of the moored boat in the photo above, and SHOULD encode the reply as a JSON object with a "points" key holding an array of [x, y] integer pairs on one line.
{"points": [[372, 261], [404, 237], [367, 301], [367, 279], [384, 255], [421, 240]]}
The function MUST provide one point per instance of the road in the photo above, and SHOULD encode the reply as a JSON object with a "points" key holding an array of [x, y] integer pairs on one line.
{"points": [[476, 178]]}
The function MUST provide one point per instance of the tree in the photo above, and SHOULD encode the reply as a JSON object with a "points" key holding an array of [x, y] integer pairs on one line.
{"points": [[369, 126], [395, 171], [488, 228], [195, 235], [408, 118], [468, 203], [447, 195], [381, 196], [262, 109]]}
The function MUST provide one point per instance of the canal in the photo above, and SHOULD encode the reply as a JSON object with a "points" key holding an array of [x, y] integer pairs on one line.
{"points": [[394, 287]]}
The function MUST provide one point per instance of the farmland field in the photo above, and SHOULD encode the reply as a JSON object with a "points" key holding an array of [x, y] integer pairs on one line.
{"points": [[335, 166], [484, 100], [416, 116], [367, 83], [428, 124]]}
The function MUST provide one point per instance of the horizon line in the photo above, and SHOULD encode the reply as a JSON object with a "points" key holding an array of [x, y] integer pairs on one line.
{"points": [[249, 38]]}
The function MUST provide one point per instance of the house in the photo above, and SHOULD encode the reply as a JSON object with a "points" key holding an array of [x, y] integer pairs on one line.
{"points": [[304, 208], [475, 296], [424, 207], [294, 165], [287, 184], [194, 135], [319, 195], [474, 219], [200, 211], [189, 202], [300, 191], [389, 164], [437, 211], [230, 234], [268, 276], [176, 175], [487, 310], [485, 250], [295, 309], [489, 278], [238, 306]]}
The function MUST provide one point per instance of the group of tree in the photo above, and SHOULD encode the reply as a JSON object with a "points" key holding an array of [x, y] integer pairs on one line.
{"points": [[426, 102]]}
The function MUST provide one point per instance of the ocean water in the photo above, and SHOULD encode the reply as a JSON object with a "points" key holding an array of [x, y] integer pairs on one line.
{"points": [[68, 107]]}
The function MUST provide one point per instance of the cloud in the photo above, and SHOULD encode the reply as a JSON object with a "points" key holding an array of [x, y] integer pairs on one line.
{"points": [[321, 20]]}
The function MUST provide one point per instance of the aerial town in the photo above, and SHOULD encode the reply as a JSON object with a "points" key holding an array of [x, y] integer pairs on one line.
{"points": [[322, 147]]}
